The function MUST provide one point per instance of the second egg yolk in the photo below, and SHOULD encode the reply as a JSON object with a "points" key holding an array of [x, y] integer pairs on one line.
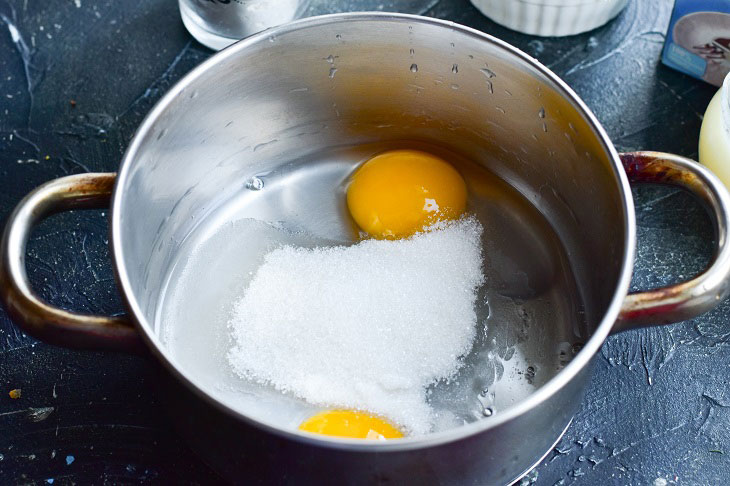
{"points": [[350, 424], [400, 192]]}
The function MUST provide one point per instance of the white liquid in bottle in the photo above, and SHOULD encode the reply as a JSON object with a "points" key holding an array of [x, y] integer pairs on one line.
{"points": [[715, 134]]}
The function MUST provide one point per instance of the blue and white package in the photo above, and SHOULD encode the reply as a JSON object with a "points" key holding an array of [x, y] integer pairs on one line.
{"points": [[698, 39]]}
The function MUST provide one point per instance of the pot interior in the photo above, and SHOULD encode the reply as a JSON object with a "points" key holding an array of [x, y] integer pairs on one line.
{"points": [[253, 148]]}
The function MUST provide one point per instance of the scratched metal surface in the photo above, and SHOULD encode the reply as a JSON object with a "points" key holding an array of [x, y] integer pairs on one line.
{"points": [[657, 411]]}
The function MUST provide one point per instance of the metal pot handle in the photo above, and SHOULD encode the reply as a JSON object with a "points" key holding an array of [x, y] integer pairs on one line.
{"points": [[89, 191], [705, 291], [36, 317]]}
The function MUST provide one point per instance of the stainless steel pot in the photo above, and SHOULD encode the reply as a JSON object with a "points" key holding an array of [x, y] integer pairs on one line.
{"points": [[360, 78]]}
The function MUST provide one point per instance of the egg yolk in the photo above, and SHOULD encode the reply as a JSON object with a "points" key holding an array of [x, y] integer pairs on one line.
{"points": [[398, 193], [350, 424]]}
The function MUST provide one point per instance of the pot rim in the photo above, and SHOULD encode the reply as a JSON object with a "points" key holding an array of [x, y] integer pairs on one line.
{"points": [[578, 363]]}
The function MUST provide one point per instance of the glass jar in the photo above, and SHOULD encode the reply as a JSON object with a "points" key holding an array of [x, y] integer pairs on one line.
{"points": [[220, 23]]}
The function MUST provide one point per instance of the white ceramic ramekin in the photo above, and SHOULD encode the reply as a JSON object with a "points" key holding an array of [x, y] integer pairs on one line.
{"points": [[550, 17]]}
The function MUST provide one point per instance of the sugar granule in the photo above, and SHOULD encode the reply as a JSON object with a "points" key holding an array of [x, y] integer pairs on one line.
{"points": [[368, 326]]}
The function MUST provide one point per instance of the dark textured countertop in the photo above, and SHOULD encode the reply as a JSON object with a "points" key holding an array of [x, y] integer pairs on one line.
{"points": [[77, 77]]}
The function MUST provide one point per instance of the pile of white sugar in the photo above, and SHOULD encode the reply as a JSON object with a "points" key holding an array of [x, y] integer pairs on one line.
{"points": [[368, 326]]}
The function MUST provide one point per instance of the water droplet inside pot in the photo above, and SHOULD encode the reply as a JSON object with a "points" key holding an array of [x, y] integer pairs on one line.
{"points": [[488, 73], [565, 354], [414, 68], [530, 374], [577, 347], [255, 184]]}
